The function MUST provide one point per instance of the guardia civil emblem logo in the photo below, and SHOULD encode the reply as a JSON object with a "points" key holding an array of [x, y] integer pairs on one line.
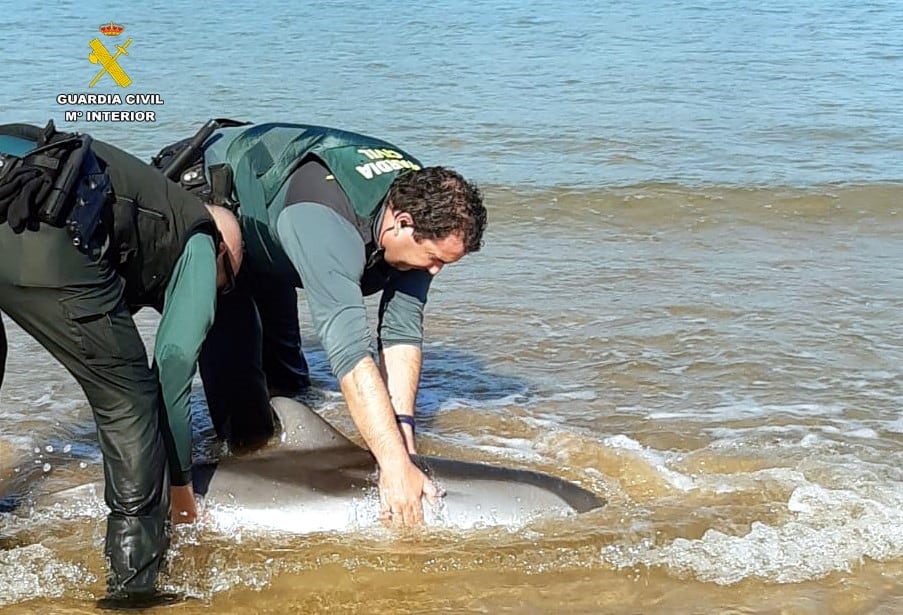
{"points": [[109, 63]]}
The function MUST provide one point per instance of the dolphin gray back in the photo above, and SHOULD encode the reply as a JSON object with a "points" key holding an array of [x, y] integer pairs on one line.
{"points": [[305, 430], [319, 473], [315, 479]]}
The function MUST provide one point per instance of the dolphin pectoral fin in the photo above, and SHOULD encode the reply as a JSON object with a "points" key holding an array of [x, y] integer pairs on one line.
{"points": [[305, 430]]}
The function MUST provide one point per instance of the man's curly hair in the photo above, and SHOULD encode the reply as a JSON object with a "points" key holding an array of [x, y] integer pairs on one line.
{"points": [[442, 203]]}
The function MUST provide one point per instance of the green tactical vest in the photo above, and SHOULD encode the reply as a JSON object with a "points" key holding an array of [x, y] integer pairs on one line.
{"points": [[263, 157]]}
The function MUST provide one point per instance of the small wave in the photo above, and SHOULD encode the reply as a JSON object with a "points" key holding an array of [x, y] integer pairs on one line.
{"points": [[202, 573], [745, 409], [34, 571], [655, 459], [454, 403], [579, 395], [831, 530]]}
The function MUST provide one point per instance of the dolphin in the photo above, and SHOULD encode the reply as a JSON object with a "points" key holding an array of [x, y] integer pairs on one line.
{"points": [[317, 480]]}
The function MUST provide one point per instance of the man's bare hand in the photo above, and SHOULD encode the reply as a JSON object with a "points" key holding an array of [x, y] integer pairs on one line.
{"points": [[400, 490], [184, 508]]}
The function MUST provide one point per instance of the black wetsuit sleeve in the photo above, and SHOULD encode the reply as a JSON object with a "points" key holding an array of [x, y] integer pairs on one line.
{"points": [[328, 254]]}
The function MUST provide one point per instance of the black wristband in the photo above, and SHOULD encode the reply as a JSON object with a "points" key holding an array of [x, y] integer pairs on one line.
{"points": [[407, 420]]}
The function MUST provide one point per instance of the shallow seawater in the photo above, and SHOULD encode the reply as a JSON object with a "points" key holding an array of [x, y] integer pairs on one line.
{"points": [[721, 365]]}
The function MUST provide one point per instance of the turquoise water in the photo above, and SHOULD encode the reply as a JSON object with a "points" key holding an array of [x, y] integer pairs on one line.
{"points": [[513, 93]]}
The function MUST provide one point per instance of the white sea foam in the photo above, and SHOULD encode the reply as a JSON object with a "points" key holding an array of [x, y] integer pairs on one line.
{"points": [[656, 459], [831, 530], [895, 426], [746, 409], [864, 432], [34, 571]]}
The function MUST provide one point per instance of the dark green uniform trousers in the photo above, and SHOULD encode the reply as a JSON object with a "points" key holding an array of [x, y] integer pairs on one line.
{"points": [[73, 307]]}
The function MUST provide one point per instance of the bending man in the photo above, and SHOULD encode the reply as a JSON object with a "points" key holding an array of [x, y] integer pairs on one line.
{"points": [[343, 216], [73, 268]]}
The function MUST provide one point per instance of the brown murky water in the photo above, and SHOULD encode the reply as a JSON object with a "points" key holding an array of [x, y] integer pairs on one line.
{"points": [[723, 365]]}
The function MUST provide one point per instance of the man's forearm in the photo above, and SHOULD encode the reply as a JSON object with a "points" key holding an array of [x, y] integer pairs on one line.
{"points": [[400, 368], [372, 413]]}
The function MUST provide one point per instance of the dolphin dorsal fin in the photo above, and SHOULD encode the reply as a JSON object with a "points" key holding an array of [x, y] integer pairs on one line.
{"points": [[305, 430]]}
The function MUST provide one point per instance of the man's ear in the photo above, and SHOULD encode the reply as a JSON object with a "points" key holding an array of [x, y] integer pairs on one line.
{"points": [[404, 219]]}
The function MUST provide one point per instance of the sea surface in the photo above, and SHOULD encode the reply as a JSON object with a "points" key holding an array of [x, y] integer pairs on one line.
{"points": [[689, 299]]}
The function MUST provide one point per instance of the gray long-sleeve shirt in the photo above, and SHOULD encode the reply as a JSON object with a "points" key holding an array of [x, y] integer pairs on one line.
{"points": [[329, 256]]}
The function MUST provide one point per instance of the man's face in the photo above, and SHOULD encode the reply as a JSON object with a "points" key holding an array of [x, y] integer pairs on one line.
{"points": [[404, 253]]}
